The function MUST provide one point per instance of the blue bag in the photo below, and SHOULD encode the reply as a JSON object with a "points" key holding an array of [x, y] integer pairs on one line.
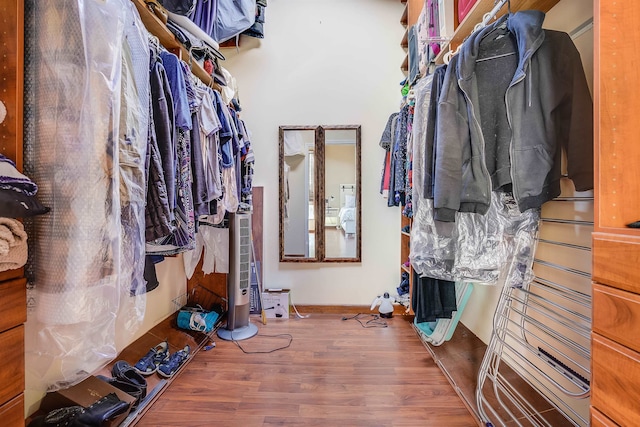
{"points": [[196, 319]]}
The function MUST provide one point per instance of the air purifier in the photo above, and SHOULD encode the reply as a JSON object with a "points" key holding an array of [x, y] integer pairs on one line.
{"points": [[238, 326]]}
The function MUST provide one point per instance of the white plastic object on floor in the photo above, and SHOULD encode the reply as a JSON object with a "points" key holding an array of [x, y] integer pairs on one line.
{"points": [[436, 333]]}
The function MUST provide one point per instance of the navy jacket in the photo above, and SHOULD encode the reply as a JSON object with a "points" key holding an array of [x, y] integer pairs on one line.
{"points": [[538, 106]]}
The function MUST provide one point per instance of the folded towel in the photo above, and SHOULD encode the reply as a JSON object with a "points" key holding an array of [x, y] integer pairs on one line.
{"points": [[13, 244]]}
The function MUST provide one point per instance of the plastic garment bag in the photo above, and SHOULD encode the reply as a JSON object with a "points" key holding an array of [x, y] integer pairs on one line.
{"points": [[89, 157], [232, 18], [216, 249]]}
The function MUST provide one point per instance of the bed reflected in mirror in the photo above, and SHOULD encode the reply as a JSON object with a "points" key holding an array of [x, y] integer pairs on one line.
{"points": [[340, 221], [320, 194]]}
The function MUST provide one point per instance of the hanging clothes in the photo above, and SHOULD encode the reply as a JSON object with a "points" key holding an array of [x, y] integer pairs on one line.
{"points": [[162, 168], [432, 299], [547, 110], [183, 237], [495, 248]]}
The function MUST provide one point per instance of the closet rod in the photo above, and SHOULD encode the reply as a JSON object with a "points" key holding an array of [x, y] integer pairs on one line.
{"points": [[581, 29], [493, 12]]}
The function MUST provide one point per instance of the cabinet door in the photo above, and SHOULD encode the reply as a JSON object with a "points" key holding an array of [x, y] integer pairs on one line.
{"points": [[12, 366], [600, 420], [614, 381], [12, 412], [13, 303], [615, 314]]}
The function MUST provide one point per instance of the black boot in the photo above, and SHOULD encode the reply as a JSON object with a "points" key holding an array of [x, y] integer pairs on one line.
{"points": [[127, 387], [104, 409], [58, 417]]}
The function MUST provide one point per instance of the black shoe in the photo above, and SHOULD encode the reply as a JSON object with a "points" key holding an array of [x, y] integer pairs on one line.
{"points": [[127, 387], [58, 417], [106, 408], [126, 373]]}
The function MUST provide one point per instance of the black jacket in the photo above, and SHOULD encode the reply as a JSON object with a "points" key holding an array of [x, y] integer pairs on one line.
{"points": [[538, 105]]}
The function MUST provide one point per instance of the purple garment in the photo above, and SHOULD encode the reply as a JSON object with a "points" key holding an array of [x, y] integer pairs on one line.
{"points": [[204, 16], [11, 179]]}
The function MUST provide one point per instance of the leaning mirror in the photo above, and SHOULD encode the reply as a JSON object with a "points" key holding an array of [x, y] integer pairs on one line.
{"points": [[320, 194]]}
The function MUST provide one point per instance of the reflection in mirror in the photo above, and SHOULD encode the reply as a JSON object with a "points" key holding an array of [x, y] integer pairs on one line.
{"points": [[299, 210], [340, 193], [320, 193]]}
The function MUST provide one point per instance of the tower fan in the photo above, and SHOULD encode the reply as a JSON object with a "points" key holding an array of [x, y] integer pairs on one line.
{"points": [[238, 326]]}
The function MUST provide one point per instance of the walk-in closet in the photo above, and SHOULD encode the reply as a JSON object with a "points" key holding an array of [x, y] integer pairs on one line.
{"points": [[301, 213]]}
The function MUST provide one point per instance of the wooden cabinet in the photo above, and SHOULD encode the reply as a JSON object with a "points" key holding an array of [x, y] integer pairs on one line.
{"points": [[13, 298], [405, 250], [616, 247], [479, 9]]}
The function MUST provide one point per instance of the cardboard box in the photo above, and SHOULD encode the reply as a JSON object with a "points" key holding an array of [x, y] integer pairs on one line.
{"points": [[85, 394], [276, 303]]}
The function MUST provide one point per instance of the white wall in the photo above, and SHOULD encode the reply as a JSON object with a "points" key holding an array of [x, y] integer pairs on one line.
{"points": [[340, 168], [328, 62]]}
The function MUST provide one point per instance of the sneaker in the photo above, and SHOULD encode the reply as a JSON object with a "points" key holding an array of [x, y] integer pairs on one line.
{"points": [[171, 365], [149, 363], [125, 372]]}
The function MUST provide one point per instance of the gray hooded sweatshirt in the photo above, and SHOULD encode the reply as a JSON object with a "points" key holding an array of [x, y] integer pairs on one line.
{"points": [[513, 100]]}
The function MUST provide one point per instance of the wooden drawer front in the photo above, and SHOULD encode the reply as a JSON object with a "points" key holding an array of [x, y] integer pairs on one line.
{"points": [[616, 315], [615, 261], [12, 366], [13, 303], [598, 419], [614, 381], [12, 412], [11, 274]]}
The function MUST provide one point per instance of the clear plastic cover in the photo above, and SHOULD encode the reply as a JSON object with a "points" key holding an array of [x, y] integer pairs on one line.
{"points": [[495, 248], [90, 147]]}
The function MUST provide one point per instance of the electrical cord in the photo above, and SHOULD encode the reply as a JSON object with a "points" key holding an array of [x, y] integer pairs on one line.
{"points": [[265, 351], [374, 322]]}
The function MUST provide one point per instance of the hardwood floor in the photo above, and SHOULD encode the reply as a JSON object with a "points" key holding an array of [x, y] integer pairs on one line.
{"points": [[335, 372]]}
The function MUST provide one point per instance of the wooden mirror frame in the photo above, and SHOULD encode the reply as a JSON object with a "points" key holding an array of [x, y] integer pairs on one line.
{"points": [[319, 194]]}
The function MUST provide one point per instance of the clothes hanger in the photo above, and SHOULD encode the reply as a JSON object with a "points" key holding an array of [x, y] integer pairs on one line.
{"points": [[486, 18]]}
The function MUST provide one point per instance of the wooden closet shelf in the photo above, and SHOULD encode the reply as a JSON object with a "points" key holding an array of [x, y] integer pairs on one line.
{"points": [[405, 40], [156, 27], [475, 16]]}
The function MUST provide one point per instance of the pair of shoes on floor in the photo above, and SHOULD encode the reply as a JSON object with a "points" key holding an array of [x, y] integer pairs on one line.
{"points": [[173, 363], [127, 379], [149, 363], [106, 408]]}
